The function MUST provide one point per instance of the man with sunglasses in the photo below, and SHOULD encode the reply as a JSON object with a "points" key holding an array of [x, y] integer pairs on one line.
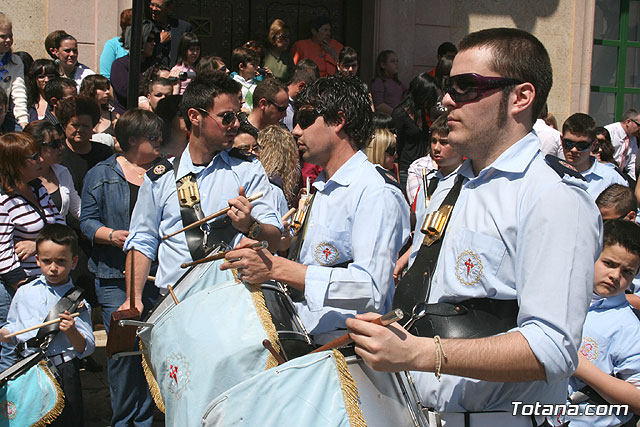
{"points": [[211, 107], [578, 140], [517, 253], [624, 137], [270, 102], [344, 257]]}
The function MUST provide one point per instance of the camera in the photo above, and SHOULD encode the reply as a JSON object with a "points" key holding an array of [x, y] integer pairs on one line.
{"points": [[186, 75]]}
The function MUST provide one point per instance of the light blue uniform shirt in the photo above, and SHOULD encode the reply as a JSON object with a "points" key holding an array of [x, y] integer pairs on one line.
{"points": [[519, 231], [600, 176], [355, 216], [157, 212], [438, 196], [611, 341], [31, 305]]}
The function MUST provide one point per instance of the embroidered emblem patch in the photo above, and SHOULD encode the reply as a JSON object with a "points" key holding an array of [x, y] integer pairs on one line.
{"points": [[326, 254], [159, 169], [8, 409], [177, 374], [567, 165], [468, 268], [589, 348]]}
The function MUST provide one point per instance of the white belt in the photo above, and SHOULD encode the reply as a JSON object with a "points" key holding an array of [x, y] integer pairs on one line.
{"points": [[59, 359]]}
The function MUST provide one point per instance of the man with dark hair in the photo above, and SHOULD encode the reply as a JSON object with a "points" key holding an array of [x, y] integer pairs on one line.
{"points": [[169, 31], [617, 202], [510, 303], [159, 89], [446, 49], [269, 103], [343, 262], [624, 137], [210, 106], [578, 140], [55, 90], [305, 73]]}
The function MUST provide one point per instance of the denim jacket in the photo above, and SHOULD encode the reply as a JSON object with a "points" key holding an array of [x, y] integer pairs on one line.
{"points": [[105, 202]]}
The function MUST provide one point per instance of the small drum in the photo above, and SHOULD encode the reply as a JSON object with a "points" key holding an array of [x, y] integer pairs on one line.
{"points": [[29, 394], [320, 389]]}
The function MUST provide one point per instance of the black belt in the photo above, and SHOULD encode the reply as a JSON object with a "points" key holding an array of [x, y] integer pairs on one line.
{"points": [[471, 318]]}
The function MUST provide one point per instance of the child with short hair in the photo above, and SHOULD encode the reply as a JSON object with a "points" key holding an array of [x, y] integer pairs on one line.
{"points": [[56, 254], [609, 357], [244, 64]]}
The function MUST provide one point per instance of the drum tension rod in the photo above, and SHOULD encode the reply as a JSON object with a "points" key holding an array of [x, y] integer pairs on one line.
{"points": [[137, 323], [117, 356]]}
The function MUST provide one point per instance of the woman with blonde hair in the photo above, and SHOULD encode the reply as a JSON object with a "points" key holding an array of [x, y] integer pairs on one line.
{"points": [[279, 157], [276, 56], [382, 149]]}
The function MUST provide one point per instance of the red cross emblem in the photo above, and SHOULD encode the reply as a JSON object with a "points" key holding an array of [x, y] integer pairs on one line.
{"points": [[469, 265], [173, 371], [326, 253]]}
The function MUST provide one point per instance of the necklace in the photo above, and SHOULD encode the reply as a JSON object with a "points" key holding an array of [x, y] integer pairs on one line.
{"points": [[136, 167]]}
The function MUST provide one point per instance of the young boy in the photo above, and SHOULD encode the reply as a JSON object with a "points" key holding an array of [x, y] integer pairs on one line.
{"points": [[56, 254], [578, 140], [609, 357], [245, 63], [447, 161]]}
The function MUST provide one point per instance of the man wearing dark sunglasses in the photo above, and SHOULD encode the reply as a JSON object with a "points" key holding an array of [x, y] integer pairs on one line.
{"points": [[357, 222], [519, 247], [222, 177], [624, 137], [270, 102], [578, 140]]}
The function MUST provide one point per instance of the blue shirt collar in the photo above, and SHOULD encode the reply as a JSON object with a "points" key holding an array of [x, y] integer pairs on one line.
{"points": [[345, 174], [186, 165], [606, 303]]}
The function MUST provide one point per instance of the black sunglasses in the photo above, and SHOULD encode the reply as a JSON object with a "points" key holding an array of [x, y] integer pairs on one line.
{"points": [[229, 117], [278, 107], [53, 144], [307, 117], [471, 86], [391, 150], [568, 144], [35, 156]]}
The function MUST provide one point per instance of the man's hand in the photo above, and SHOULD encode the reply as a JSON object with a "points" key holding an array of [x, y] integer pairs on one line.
{"points": [[165, 36], [254, 266], [329, 49], [401, 264], [25, 249], [119, 237], [287, 237], [240, 212], [386, 348], [127, 305]]}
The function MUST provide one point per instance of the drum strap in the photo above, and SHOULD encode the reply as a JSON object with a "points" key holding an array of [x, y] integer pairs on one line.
{"points": [[414, 287], [298, 240], [200, 240], [71, 302]]}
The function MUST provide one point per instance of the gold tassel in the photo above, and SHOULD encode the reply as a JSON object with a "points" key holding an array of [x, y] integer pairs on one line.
{"points": [[151, 381], [59, 406], [267, 322], [349, 392]]}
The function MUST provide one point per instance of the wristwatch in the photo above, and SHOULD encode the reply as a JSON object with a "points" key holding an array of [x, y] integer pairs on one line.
{"points": [[254, 230]]}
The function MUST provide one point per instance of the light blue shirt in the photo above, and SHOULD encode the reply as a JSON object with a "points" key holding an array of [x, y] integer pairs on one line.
{"points": [[600, 176], [519, 231], [611, 341], [157, 212], [112, 50], [31, 305], [438, 196], [355, 216]]}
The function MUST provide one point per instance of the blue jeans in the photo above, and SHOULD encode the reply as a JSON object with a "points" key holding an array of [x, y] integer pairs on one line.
{"points": [[7, 354], [131, 400]]}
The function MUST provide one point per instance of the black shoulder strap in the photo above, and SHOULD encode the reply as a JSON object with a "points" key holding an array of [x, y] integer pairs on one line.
{"points": [[388, 177], [561, 167], [414, 287], [69, 302], [160, 169]]}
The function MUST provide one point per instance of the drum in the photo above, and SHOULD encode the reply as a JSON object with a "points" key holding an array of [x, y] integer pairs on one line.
{"points": [[29, 393], [320, 389], [211, 341]]}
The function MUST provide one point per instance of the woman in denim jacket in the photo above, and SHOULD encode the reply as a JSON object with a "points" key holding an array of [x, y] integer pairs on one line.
{"points": [[108, 196]]}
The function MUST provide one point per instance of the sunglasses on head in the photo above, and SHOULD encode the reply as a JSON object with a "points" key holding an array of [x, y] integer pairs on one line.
{"points": [[568, 144], [471, 86], [278, 107], [307, 117], [229, 117], [53, 144]]}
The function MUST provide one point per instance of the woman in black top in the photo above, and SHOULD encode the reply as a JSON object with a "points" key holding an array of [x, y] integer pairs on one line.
{"points": [[411, 119]]}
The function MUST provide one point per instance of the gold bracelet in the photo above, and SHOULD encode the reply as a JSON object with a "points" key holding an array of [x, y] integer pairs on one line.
{"points": [[440, 355], [111, 236]]}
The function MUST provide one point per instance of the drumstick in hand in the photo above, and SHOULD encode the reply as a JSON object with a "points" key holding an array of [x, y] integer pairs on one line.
{"points": [[384, 320], [41, 325]]}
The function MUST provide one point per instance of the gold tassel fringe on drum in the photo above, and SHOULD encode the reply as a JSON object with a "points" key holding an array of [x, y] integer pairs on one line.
{"points": [[151, 381], [349, 392], [267, 322], [59, 406]]}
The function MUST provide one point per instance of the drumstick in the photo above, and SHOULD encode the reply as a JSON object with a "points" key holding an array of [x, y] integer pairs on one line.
{"points": [[173, 295], [149, 278], [267, 344], [384, 320], [221, 212], [258, 245], [41, 325], [288, 214]]}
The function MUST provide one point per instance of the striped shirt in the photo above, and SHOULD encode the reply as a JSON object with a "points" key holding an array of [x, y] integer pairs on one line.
{"points": [[20, 220]]}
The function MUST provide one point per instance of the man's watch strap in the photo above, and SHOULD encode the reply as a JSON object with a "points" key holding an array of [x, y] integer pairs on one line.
{"points": [[254, 229]]}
